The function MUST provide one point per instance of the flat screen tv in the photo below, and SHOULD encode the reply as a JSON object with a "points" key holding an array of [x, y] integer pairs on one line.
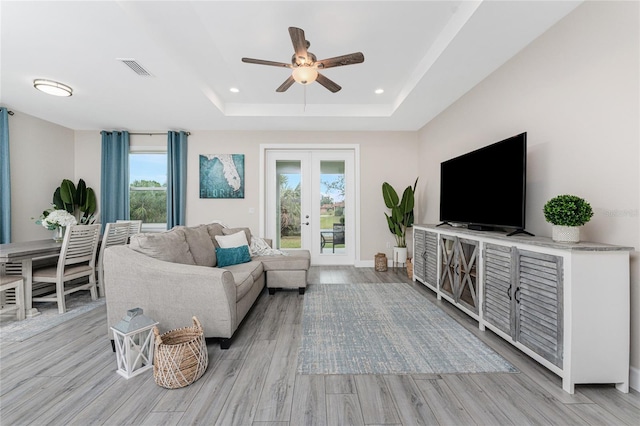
{"points": [[486, 189]]}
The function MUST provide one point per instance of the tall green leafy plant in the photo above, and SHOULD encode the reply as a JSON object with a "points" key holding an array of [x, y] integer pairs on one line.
{"points": [[79, 200], [401, 216]]}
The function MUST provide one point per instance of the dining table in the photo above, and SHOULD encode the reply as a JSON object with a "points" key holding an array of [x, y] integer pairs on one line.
{"points": [[25, 253]]}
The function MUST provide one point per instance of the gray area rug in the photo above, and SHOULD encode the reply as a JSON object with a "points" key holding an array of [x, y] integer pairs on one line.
{"points": [[12, 330], [386, 329]]}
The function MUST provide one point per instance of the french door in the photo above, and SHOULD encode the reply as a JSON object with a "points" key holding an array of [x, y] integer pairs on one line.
{"points": [[310, 203]]}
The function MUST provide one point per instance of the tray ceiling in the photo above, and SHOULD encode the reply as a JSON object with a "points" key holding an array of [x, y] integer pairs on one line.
{"points": [[423, 54]]}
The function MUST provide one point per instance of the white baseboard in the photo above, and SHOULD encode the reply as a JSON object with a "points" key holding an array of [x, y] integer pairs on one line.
{"points": [[364, 264], [634, 378]]}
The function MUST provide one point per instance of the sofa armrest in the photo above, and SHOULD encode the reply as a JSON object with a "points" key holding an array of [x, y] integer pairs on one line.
{"points": [[170, 293]]}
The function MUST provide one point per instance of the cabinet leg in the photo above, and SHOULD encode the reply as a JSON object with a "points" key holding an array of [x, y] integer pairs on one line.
{"points": [[623, 387], [568, 386]]}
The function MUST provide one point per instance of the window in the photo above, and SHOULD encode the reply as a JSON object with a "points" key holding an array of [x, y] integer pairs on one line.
{"points": [[148, 189]]}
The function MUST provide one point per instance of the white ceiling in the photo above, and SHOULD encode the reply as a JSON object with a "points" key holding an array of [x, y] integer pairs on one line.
{"points": [[424, 54]]}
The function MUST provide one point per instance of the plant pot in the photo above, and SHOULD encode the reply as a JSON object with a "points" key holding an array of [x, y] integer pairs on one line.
{"points": [[565, 234], [399, 254]]}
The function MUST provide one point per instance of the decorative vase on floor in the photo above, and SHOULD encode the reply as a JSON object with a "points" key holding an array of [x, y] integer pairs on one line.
{"points": [[400, 255], [565, 234], [58, 234]]}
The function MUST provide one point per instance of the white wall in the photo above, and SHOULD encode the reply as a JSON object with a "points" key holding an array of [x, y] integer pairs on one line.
{"points": [[384, 156], [575, 91], [42, 154]]}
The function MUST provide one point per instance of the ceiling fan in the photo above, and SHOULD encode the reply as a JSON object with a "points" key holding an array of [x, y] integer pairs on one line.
{"points": [[305, 66]]}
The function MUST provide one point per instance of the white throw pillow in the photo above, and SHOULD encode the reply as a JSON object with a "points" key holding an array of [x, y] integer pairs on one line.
{"points": [[234, 240]]}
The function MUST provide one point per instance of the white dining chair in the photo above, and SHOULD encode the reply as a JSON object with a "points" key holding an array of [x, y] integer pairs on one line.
{"points": [[135, 226], [77, 260], [114, 234], [15, 283]]}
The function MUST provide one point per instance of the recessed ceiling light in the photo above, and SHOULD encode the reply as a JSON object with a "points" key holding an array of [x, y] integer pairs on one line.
{"points": [[52, 87], [234, 90], [379, 91]]}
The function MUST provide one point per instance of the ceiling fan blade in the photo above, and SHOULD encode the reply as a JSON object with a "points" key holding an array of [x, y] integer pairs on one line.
{"points": [[263, 62], [287, 83], [329, 84], [299, 42], [338, 61]]}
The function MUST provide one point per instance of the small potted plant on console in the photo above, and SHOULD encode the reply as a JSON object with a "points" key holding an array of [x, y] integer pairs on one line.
{"points": [[567, 213]]}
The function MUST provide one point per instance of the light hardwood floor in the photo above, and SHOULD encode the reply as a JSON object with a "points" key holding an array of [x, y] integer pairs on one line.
{"points": [[67, 377]]}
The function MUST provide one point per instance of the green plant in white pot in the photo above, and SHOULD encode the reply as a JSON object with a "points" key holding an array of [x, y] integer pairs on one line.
{"points": [[401, 216], [567, 213]]}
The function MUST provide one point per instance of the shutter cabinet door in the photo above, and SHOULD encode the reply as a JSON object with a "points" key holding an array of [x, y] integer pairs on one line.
{"points": [[499, 277], [466, 285], [539, 304], [419, 254], [447, 264], [431, 258]]}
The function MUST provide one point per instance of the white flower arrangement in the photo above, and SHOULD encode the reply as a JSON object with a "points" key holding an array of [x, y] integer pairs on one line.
{"points": [[58, 218]]}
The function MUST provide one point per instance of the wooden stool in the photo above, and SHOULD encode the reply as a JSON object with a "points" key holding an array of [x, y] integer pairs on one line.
{"points": [[8, 282]]}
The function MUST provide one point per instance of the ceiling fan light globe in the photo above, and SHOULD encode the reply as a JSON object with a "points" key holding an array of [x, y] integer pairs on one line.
{"points": [[304, 75]]}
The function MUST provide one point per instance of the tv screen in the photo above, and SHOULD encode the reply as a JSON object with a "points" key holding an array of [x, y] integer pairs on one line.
{"points": [[486, 187]]}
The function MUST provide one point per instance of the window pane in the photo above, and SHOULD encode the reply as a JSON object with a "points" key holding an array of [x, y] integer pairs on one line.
{"points": [[148, 187], [332, 207], [288, 175]]}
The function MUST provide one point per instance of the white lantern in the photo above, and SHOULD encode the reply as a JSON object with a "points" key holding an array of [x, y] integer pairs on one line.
{"points": [[134, 339]]}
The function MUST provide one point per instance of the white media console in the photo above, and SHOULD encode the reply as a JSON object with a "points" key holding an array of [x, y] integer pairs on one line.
{"points": [[564, 305]]}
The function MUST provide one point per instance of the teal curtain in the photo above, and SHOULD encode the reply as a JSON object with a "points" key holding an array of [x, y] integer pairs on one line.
{"points": [[176, 178], [5, 179], [114, 193]]}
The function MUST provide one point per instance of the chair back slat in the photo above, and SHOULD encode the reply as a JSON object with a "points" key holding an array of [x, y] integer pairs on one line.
{"points": [[114, 234], [79, 245], [135, 226]]}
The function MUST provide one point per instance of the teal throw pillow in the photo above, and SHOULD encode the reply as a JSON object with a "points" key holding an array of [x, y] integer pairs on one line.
{"points": [[232, 256]]}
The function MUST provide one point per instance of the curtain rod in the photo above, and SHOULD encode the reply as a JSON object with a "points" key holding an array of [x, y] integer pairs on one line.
{"points": [[151, 134]]}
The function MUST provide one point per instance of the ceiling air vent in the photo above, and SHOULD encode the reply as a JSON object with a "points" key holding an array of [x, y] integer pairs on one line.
{"points": [[135, 66]]}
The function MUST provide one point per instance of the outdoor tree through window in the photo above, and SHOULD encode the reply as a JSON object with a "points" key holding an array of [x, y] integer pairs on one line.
{"points": [[148, 187]]}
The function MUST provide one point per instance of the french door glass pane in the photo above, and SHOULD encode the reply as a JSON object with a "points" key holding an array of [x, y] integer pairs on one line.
{"points": [[289, 204], [332, 207]]}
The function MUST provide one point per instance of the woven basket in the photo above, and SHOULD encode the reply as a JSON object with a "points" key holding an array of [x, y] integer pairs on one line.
{"points": [[410, 268], [380, 262], [181, 356]]}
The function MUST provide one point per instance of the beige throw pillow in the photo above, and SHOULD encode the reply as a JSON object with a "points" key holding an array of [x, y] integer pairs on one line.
{"points": [[234, 240], [229, 231]]}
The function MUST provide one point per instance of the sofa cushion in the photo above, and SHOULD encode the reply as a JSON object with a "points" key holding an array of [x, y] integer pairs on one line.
{"points": [[200, 244], [244, 275], [215, 229], [170, 246], [296, 260], [232, 255], [233, 240]]}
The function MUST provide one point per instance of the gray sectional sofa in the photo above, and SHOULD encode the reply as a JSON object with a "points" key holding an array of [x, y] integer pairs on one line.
{"points": [[174, 276]]}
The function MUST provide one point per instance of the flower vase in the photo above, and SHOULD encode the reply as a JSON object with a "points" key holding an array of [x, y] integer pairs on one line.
{"points": [[58, 234]]}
